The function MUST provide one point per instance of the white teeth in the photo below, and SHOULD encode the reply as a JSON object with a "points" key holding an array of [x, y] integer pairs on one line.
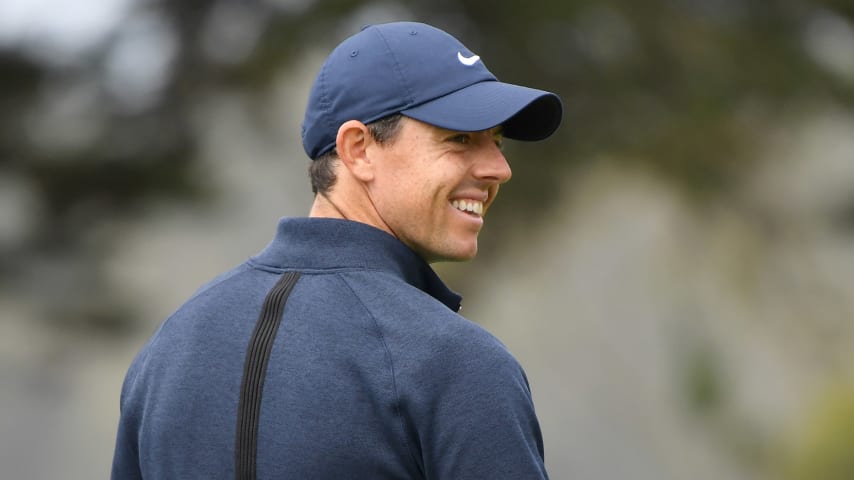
{"points": [[471, 206]]}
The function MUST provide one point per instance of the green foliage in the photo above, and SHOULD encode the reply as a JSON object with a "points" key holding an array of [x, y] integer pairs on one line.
{"points": [[825, 447], [702, 382]]}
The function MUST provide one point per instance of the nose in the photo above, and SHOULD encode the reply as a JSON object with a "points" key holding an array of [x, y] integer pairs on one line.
{"points": [[491, 166]]}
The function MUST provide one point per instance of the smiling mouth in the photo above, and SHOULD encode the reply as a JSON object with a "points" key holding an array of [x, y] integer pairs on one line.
{"points": [[472, 207]]}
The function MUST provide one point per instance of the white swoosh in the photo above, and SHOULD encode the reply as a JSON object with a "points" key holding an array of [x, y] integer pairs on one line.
{"points": [[467, 61]]}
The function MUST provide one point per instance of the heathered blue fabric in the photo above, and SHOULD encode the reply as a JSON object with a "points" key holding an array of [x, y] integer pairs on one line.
{"points": [[372, 374]]}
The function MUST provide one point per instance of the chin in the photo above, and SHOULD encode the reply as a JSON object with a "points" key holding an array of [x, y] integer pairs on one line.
{"points": [[453, 256], [451, 248]]}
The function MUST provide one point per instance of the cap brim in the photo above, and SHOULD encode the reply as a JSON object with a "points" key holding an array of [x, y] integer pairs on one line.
{"points": [[526, 113]]}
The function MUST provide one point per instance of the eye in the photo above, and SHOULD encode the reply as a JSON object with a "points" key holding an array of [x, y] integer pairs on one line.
{"points": [[462, 138]]}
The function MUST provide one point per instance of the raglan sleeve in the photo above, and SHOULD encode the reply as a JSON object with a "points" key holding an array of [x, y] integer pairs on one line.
{"points": [[474, 414]]}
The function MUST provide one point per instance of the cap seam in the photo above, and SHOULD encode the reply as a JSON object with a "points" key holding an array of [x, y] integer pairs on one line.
{"points": [[410, 98], [325, 103]]}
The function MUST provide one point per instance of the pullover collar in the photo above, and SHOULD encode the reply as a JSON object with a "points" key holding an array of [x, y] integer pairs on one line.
{"points": [[334, 244]]}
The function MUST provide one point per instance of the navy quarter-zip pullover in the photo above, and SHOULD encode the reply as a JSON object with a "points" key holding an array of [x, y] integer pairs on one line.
{"points": [[336, 353]]}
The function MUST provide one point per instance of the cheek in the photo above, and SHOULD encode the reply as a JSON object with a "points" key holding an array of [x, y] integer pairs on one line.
{"points": [[400, 199], [415, 188]]}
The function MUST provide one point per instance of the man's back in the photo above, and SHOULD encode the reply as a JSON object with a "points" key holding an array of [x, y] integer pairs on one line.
{"points": [[367, 376]]}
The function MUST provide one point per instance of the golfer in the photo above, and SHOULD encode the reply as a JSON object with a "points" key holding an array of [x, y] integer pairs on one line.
{"points": [[337, 352]]}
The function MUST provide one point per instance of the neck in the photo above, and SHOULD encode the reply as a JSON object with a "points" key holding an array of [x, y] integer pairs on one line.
{"points": [[323, 207], [332, 205]]}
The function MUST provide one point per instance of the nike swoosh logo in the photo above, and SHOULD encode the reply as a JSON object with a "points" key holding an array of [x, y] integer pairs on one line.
{"points": [[467, 61]]}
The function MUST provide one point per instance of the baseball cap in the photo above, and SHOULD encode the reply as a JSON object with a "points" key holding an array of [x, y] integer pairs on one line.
{"points": [[423, 73]]}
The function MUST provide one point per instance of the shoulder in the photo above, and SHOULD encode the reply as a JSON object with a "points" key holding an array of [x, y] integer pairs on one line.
{"points": [[397, 305], [428, 340]]}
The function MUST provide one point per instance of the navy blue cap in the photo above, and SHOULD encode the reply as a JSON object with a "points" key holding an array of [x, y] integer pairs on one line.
{"points": [[423, 73]]}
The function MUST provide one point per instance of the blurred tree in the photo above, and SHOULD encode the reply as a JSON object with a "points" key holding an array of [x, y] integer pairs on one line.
{"points": [[680, 86]]}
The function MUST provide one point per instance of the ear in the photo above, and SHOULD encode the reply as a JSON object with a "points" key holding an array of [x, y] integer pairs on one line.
{"points": [[352, 144]]}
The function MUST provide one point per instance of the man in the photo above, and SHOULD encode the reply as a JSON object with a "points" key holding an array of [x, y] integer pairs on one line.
{"points": [[337, 352]]}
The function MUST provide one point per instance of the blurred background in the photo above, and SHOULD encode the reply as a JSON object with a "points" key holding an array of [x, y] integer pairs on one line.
{"points": [[674, 268]]}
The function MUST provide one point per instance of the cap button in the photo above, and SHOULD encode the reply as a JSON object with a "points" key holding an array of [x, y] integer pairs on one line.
{"points": [[354, 53], [413, 32]]}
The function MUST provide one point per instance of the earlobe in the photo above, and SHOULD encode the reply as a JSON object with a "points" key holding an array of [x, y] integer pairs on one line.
{"points": [[352, 145]]}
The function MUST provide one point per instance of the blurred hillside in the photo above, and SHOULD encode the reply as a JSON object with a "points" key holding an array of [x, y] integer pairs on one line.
{"points": [[674, 268]]}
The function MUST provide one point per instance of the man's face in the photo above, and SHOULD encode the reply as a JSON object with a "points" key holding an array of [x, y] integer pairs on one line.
{"points": [[433, 186]]}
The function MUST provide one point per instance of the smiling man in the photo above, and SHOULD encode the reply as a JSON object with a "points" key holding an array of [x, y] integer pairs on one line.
{"points": [[337, 352], [427, 186]]}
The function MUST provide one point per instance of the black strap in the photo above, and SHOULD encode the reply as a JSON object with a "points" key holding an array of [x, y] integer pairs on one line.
{"points": [[254, 370]]}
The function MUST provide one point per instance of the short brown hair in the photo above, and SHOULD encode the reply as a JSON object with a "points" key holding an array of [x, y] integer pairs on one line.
{"points": [[321, 171]]}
